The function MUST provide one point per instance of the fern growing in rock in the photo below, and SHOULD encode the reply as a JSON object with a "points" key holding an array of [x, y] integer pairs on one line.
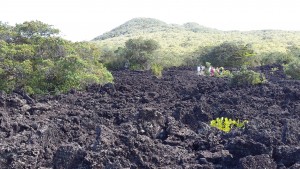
{"points": [[226, 124]]}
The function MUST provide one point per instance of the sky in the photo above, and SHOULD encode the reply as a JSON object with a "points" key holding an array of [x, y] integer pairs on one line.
{"points": [[83, 20]]}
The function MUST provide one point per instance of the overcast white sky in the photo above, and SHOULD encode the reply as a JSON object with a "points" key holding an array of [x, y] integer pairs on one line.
{"points": [[80, 20]]}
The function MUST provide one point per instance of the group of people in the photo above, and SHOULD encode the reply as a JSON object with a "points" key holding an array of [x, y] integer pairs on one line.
{"points": [[217, 70], [212, 71]]}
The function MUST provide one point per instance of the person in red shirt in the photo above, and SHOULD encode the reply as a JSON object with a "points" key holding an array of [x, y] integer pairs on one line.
{"points": [[212, 71]]}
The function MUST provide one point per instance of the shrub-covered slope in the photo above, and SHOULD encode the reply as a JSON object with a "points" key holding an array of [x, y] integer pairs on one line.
{"points": [[182, 42]]}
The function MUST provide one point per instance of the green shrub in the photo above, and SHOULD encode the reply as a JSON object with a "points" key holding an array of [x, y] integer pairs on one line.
{"points": [[114, 59], [293, 69], [247, 77], [36, 61], [225, 73], [191, 61], [139, 52], [115, 63], [75, 73], [54, 77], [206, 71], [230, 54], [277, 57], [137, 67], [157, 70], [226, 124]]}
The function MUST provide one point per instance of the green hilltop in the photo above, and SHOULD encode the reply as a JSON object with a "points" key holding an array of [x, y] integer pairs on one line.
{"points": [[149, 25]]}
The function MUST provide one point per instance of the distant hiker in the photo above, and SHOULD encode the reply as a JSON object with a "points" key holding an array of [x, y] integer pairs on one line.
{"points": [[212, 71], [209, 69], [127, 64], [217, 71], [221, 70], [202, 70], [199, 70]]}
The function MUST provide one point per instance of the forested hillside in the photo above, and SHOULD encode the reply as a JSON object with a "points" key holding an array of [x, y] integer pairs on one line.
{"points": [[184, 44]]}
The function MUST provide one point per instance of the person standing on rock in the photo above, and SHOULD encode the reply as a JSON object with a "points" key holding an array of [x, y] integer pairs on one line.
{"points": [[221, 70], [199, 70], [212, 71], [202, 70], [217, 71]]}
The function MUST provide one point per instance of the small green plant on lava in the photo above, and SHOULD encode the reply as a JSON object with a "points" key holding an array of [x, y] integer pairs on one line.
{"points": [[157, 70], [226, 124]]}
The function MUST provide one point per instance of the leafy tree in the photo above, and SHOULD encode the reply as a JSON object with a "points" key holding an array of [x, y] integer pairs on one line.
{"points": [[247, 77], [294, 49], [6, 33], [38, 62], [69, 72], [138, 51], [277, 57], [194, 59], [293, 69], [35, 28], [229, 54], [113, 59]]}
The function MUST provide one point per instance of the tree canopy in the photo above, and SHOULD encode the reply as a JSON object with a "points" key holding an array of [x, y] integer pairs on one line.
{"points": [[229, 54], [138, 51], [35, 60], [137, 54], [35, 28]]}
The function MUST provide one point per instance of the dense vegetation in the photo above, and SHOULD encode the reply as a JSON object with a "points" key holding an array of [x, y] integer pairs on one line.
{"points": [[34, 59]]}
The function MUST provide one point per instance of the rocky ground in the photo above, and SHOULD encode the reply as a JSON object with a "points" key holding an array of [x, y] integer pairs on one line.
{"points": [[142, 121]]}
